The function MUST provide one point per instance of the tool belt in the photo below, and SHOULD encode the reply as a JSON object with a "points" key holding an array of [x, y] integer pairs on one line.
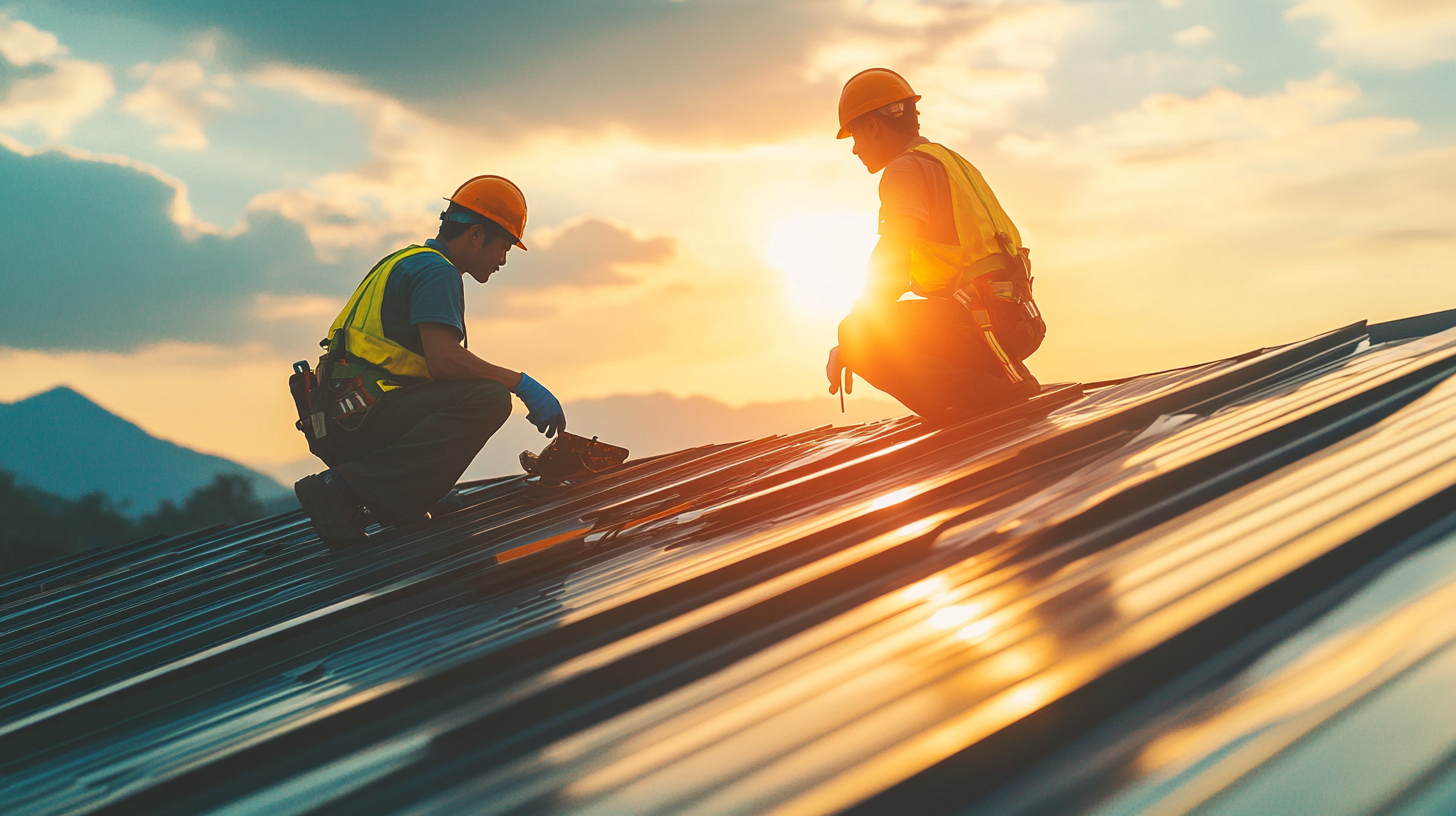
{"points": [[333, 401], [996, 293]]}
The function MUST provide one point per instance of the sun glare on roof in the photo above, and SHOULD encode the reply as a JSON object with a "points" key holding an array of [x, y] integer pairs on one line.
{"points": [[822, 257]]}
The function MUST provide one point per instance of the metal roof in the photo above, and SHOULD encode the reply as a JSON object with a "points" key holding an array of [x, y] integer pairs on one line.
{"points": [[1221, 589]]}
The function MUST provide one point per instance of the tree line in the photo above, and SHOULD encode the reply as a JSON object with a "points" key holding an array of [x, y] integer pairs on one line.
{"points": [[36, 526]]}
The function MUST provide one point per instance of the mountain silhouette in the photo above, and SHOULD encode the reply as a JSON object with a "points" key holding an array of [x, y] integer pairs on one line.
{"points": [[63, 443]]}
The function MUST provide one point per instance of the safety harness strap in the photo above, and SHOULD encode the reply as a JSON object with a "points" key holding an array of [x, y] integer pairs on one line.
{"points": [[970, 298]]}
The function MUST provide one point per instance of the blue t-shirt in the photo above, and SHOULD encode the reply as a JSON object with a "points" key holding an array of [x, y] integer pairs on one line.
{"points": [[423, 288]]}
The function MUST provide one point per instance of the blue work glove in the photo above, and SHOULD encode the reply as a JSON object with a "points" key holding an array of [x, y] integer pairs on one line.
{"points": [[542, 409]]}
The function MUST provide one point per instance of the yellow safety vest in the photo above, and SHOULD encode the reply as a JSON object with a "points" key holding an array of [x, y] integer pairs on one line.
{"points": [[988, 239], [363, 322], [989, 243]]}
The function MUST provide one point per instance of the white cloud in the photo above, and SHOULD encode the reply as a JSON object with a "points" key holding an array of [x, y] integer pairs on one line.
{"points": [[1196, 35], [66, 92], [1389, 33], [973, 63], [58, 100], [413, 159], [179, 97], [1195, 226], [23, 44]]}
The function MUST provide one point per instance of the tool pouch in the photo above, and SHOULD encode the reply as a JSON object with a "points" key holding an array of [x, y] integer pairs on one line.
{"points": [[355, 385], [322, 434], [999, 302], [1017, 322], [313, 397], [1004, 293]]}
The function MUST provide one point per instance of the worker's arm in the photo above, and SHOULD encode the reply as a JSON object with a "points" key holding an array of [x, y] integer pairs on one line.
{"points": [[889, 271], [447, 360], [888, 279]]}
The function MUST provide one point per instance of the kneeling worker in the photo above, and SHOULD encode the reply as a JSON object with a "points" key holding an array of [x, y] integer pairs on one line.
{"points": [[944, 236], [409, 407]]}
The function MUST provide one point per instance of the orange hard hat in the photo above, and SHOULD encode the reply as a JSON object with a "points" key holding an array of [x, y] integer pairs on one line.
{"points": [[495, 198], [868, 90]]}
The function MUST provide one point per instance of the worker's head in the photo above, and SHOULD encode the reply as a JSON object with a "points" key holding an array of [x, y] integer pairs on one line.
{"points": [[477, 245], [486, 217], [877, 109], [883, 133]]}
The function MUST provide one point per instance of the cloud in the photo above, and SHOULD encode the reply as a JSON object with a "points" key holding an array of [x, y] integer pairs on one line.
{"points": [[57, 100], [973, 63], [178, 97], [179, 210], [63, 91], [1196, 35], [583, 265], [1222, 216], [1387, 33], [720, 74], [416, 159], [134, 276], [23, 44], [94, 258], [665, 72], [398, 191], [586, 252]]}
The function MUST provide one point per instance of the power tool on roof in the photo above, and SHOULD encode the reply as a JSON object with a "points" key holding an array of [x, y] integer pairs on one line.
{"points": [[572, 458]]}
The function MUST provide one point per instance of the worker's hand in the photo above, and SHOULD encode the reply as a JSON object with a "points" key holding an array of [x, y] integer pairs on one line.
{"points": [[542, 409], [838, 372]]}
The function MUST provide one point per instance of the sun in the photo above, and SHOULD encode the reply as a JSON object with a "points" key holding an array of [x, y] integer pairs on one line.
{"points": [[823, 258]]}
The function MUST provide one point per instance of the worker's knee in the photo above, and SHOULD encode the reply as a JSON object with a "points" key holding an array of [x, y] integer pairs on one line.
{"points": [[484, 401], [490, 398], [868, 326], [853, 333]]}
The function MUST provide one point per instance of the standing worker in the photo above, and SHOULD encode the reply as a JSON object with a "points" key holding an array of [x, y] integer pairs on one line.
{"points": [[401, 407], [944, 236]]}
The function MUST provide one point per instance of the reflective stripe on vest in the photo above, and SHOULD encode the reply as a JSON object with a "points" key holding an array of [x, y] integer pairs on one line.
{"points": [[979, 220], [363, 319]]}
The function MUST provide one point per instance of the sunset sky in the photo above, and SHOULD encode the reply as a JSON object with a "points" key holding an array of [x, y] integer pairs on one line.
{"points": [[190, 189]]}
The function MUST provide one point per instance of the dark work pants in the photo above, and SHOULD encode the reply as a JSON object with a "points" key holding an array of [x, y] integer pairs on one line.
{"points": [[416, 441], [927, 355]]}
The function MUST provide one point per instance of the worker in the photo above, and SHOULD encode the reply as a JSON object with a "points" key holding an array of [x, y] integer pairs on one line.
{"points": [[408, 405], [958, 348]]}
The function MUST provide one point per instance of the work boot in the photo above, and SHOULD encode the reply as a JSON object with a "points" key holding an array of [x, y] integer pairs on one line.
{"points": [[333, 507], [449, 503], [396, 521]]}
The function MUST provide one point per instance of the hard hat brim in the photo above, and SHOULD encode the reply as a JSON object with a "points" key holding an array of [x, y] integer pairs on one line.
{"points": [[503, 225], [864, 109]]}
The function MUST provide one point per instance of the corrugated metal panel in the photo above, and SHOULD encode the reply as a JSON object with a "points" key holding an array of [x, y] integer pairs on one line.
{"points": [[886, 618], [1354, 714]]}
